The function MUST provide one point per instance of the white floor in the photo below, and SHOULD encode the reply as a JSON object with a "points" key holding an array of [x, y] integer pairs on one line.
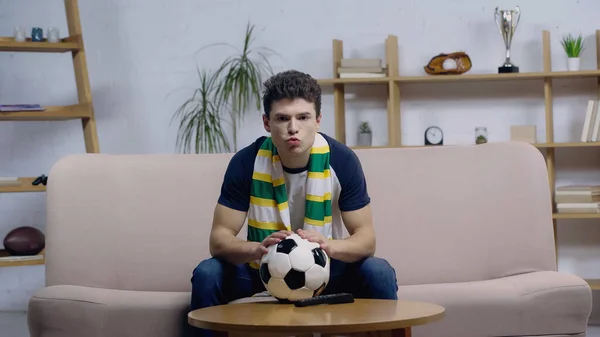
{"points": [[15, 325]]}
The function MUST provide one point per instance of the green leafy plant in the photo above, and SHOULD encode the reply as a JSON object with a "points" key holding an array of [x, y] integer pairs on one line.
{"points": [[573, 46], [200, 128], [364, 127], [231, 89]]}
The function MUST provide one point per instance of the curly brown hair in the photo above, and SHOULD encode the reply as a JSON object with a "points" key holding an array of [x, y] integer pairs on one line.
{"points": [[291, 84]]}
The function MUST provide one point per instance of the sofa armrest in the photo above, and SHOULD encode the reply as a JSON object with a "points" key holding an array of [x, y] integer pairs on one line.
{"points": [[73, 311]]}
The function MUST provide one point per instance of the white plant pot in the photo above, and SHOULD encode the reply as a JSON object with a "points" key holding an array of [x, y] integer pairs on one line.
{"points": [[573, 63], [364, 139]]}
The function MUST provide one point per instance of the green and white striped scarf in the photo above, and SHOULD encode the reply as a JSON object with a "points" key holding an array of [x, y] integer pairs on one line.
{"points": [[269, 211]]}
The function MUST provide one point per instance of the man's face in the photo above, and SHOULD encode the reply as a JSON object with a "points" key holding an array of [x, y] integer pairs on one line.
{"points": [[293, 124]]}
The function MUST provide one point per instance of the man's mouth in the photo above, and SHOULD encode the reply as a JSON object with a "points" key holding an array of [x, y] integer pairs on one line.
{"points": [[293, 141]]}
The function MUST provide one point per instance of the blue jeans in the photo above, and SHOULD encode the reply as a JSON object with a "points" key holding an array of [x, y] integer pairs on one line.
{"points": [[216, 282]]}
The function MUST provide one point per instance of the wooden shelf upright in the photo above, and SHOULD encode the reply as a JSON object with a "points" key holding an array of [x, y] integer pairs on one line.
{"points": [[82, 110], [395, 82]]}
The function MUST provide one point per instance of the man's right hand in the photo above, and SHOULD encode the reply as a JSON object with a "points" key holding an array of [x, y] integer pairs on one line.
{"points": [[272, 239], [224, 243]]}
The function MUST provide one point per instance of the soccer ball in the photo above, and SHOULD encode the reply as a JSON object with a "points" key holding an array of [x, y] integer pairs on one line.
{"points": [[294, 269]]}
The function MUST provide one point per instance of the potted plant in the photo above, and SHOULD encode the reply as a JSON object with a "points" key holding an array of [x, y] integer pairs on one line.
{"points": [[364, 134], [230, 90], [573, 48], [200, 128]]}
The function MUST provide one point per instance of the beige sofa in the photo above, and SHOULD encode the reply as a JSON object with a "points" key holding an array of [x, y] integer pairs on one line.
{"points": [[467, 227]]}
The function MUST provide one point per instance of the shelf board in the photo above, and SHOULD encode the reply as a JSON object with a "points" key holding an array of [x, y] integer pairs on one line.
{"points": [[566, 144], [576, 216], [17, 262], [594, 283], [359, 80], [23, 186], [497, 77], [538, 145], [52, 113], [464, 78], [69, 44]]}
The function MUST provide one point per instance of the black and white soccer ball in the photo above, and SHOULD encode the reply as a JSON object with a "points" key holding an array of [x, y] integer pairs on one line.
{"points": [[294, 269]]}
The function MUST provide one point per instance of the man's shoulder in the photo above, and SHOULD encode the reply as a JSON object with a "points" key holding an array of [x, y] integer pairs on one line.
{"points": [[340, 153], [247, 154], [241, 164], [348, 170], [235, 191]]}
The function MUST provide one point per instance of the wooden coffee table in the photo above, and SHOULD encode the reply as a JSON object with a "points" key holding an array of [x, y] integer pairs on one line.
{"points": [[268, 318]]}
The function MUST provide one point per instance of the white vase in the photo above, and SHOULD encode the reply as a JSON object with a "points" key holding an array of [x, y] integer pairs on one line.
{"points": [[573, 63]]}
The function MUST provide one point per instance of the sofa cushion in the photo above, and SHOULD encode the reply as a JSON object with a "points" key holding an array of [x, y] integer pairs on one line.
{"points": [[538, 303], [73, 311]]}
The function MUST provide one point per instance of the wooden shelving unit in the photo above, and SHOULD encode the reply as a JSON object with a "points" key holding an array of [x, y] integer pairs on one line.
{"points": [[82, 110], [395, 81]]}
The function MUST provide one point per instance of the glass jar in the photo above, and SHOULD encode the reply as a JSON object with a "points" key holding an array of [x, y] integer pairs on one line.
{"points": [[481, 135]]}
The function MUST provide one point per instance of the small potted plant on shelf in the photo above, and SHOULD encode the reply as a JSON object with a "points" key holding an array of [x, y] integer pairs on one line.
{"points": [[573, 46], [364, 134], [481, 135]]}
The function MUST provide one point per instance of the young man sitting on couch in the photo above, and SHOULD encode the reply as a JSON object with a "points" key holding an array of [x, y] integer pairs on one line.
{"points": [[292, 106]]}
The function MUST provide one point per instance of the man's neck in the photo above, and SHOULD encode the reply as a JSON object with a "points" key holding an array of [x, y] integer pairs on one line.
{"points": [[295, 162]]}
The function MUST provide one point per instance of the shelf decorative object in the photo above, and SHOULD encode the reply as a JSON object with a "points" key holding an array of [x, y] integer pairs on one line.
{"points": [[449, 64], [573, 47], [361, 68], [19, 34], [481, 135], [365, 136], [523, 133], [434, 136], [25, 240], [507, 21], [37, 34], [53, 35]]}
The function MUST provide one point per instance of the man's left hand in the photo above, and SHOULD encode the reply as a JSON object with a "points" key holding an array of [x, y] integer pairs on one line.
{"points": [[314, 236]]}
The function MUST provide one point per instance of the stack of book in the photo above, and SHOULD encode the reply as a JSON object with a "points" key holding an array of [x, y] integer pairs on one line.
{"points": [[361, 68], [591, 124], [578, 199]]}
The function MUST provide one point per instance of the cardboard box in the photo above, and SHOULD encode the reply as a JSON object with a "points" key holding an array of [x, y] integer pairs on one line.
{"points": [[523, 133]]}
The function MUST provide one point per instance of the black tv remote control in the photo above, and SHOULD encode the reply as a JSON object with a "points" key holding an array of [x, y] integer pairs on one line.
{"points": [[325, 299]]}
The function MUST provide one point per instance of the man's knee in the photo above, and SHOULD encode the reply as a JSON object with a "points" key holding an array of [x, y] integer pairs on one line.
{"points": [[208, 271], [380, 278], [207, 284], [377, 267]]}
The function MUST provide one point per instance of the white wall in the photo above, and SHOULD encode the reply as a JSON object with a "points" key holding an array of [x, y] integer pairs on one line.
{"points": [[140, 56]]}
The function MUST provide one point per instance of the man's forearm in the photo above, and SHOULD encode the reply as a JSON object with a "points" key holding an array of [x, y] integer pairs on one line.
{"points": [[234, 250], [353, 248]]}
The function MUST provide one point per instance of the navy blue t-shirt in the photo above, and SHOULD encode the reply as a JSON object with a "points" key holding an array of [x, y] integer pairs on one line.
{"points": [[349, 193]]}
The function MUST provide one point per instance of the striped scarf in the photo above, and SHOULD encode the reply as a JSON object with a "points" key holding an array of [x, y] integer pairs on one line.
{"points": [[269, 211]]}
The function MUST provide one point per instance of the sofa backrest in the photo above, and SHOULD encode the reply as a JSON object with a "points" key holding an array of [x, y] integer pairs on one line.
{"points": [[447, 214]]}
